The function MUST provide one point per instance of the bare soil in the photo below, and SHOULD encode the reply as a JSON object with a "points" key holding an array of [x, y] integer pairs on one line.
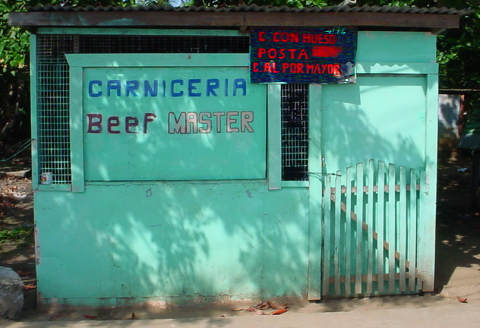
{"points": [[458, 231], [17, 249]]}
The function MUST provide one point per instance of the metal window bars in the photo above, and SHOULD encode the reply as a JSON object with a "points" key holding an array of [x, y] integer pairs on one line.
{"points": [[294, 106]]}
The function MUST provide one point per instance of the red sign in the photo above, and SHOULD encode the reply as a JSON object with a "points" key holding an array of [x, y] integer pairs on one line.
{"points": [[322, 55]]}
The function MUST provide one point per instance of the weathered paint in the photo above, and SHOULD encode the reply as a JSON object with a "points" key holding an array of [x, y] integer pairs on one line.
{"points": [[182, 240]]}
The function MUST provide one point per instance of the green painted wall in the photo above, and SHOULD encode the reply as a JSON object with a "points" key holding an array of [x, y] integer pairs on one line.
{"points": [[401, 47], [187, 123], [112, 241], [172, 240], [380, 117]]}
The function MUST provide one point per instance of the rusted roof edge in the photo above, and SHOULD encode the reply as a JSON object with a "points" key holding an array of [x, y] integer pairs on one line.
{"points": [[255, 8], [217, 19]]}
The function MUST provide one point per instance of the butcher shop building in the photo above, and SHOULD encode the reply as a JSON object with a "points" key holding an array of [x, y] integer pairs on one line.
{"points": [[213, 154]]}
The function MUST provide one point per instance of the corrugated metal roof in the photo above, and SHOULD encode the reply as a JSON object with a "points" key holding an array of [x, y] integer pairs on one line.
{"points": [[386, 17], [255, 8]]}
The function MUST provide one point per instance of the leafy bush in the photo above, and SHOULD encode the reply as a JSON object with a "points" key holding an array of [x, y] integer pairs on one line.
{"points": [[16, 234]]}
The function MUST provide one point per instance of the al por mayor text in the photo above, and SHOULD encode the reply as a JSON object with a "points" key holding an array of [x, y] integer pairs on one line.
{"points": [[279, 57]]}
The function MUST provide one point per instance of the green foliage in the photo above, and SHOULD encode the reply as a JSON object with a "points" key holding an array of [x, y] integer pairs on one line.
{"points": [[13, 40], [273, 3], [457, 52], [13, 75], [307, 3], [16, 234]]}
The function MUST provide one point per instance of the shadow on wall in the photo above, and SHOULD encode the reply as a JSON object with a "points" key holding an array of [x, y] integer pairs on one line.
{"points": [[124, 242], [172, 241], [380, 117]]}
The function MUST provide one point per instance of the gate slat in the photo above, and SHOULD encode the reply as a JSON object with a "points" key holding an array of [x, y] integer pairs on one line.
{"points": [[348, 231], [326, 244], [391, 227], [386, 225], [412, 237], [369, 219], [402, 218], [359, 234], [338, 202], [380, 220]]}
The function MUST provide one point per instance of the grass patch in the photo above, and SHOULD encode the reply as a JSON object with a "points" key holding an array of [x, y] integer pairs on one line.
{"points": [[16, 234]]}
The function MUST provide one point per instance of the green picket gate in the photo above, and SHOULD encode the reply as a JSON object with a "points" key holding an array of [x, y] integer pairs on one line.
{"points": [[370, 216]]}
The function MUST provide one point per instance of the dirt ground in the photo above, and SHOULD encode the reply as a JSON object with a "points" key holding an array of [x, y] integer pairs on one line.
{"points": [[457, 271], [457, 254], [17, 248]]}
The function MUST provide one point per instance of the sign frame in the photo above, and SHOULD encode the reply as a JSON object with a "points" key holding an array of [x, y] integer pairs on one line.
{"points": [[79, 62]]}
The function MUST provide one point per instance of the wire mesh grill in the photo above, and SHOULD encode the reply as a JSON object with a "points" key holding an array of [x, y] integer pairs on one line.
{"points": [[162, 44], [294, 103], [53, 85], [52, 111]]}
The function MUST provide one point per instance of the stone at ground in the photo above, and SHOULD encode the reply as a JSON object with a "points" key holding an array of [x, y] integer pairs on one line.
{"points": [[11, 293]]}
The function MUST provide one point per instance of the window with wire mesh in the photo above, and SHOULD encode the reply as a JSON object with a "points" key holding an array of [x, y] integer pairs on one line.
{"points": [[53, 141], [53, 84], [294, 107]]}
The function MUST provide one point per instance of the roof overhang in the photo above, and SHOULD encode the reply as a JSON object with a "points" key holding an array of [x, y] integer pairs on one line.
{"points": [[426, 20]]}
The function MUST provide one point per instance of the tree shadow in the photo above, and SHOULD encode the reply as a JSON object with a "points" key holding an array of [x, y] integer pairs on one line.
{"points": [[458, 226], [380, 117]]}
